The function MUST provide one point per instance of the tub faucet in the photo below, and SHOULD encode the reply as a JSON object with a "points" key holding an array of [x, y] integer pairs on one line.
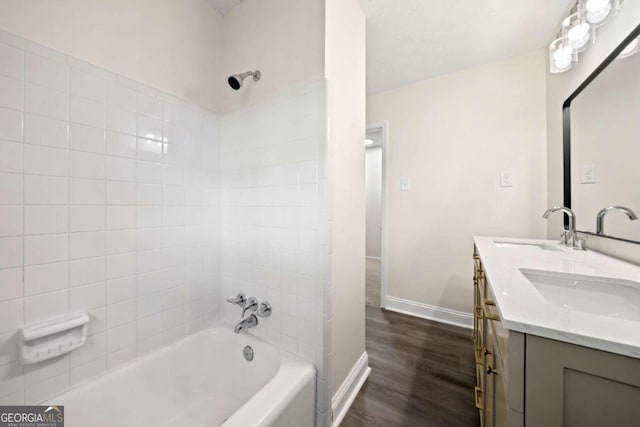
{"points": [[246, 323], [568, 236], [600, 219]]}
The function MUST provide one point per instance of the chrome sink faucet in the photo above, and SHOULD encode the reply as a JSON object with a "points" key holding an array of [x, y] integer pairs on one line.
{"points": [[600, 219], [568, 237]]}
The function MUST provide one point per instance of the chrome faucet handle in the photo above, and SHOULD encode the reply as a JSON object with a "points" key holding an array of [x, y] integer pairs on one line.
{"points": [[264, 310], [240, 299], [251, 305], [580, 244]]}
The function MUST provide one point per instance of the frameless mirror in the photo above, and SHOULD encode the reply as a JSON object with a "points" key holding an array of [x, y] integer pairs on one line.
{"points": [[602, 145]]}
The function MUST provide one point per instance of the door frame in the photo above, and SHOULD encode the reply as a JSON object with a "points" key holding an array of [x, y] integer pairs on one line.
{"points": [[384, 127]]}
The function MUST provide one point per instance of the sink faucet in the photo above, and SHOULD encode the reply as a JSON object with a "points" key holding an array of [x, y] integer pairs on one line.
{"points": [[600, 219], [568, 236], [246, 323]]}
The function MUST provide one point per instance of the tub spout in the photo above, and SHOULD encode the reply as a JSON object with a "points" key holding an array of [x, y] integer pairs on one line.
{"points": [[246, 323]]}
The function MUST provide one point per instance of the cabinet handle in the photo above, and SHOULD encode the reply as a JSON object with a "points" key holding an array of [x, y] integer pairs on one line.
{"points": [[487, 312], [477, 391], [490, 370]]}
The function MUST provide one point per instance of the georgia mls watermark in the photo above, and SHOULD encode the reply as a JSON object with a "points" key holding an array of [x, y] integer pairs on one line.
{"points": [[31, 416]]}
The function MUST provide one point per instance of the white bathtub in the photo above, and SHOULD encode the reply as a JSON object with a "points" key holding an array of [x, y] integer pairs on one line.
{"points": [[202, 380]]}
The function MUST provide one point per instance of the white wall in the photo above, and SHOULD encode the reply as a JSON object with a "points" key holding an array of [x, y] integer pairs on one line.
{"points": [[373, 184], [282, 38], [108, 204], [173, 45], [345, 71], [559, 87], [452, 136]]}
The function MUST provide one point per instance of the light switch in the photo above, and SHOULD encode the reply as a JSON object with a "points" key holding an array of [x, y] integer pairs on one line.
{"points": [[506, 179], [588, 175], [405, 184]]}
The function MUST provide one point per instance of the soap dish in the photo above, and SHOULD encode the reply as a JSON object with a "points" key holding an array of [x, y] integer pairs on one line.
{"points": [[53, 337]]}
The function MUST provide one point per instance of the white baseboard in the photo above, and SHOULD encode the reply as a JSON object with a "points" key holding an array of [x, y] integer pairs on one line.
{"points": [[346, 394], [431, 312]]}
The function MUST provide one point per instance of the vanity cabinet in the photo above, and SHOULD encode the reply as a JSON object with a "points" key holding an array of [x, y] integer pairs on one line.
{"points": [[524, 379], [499, 358]]}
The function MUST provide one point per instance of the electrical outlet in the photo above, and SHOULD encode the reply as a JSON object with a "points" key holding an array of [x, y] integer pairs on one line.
{"points": [[405, 184], [588, 175], [506, 180]]}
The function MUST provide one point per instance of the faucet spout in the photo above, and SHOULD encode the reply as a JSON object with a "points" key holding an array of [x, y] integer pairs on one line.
{"points": [[246, 323], [569, 235], [600, 219]]}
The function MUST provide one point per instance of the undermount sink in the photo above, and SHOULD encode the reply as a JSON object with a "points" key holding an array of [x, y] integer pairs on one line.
{"points": [[588, 294], [541, 246]]}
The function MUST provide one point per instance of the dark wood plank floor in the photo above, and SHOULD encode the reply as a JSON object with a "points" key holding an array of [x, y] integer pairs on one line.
{"points": [[422, 374]]}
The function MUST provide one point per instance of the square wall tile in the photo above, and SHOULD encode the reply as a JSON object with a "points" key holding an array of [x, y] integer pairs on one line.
{"points": [[46, 102], [86, 138], [43, 278], [40, 160], [46, 248], [11, 61], [46, 190], [10, 125], [11, 93], [11, 221], [46, 219], [41, 130], [10, 156], [46, 72]]}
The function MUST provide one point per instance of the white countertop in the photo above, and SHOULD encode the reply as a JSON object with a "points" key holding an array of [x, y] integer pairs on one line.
{"points": [[524, 309]]}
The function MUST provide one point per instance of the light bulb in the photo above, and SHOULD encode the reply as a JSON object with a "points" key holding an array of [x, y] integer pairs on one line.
{"points": [[563, 57], [368, 141], [578, 35], [597, 10]]}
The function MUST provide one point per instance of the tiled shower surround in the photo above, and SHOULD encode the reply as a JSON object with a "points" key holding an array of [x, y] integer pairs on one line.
{"points": [[147, 211], [275, 225], [109, 202]]}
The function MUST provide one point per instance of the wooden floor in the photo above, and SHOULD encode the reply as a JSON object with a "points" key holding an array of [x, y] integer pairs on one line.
{"points": [[373, 281], [422, 374]]}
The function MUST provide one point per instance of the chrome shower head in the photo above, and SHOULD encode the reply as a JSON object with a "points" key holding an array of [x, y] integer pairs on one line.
{"points": [[235, 81]]}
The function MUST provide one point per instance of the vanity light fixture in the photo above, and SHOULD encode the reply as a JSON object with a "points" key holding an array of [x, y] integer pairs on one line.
{"points": [[631, 49], [578, 31]]}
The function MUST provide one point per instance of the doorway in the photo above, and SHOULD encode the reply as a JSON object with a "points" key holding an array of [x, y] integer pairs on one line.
{"points": [[375, 184]]}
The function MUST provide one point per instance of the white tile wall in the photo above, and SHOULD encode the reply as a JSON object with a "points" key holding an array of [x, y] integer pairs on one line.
{"points": [[274, 221], [109, 203]]}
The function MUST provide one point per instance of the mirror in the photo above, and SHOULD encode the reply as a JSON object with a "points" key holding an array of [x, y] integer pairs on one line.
{"points": [[602, 145]]}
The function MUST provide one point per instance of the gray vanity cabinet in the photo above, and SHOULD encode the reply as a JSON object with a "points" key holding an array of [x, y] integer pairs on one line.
{"points": [[573, 386], [524, 379]]}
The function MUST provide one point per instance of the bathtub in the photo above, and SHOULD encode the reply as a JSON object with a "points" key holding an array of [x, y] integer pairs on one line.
{"points": [[202, 380]]}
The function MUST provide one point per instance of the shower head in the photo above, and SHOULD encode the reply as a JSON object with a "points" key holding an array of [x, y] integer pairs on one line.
{"points": [[235, 81]]}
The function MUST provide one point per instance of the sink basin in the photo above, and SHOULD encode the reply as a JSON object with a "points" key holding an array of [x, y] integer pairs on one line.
{"points": [[588, 294], [540, 246]]}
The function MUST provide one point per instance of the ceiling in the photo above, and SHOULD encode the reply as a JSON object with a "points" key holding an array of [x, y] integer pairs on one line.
{"points": [[413, 40]]}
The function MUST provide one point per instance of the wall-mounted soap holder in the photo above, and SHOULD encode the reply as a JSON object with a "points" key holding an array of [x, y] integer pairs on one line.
{"points": [[52, 337]]}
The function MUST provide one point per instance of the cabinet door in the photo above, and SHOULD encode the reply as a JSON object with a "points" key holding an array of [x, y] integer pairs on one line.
{"points": [[573, 386]]}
